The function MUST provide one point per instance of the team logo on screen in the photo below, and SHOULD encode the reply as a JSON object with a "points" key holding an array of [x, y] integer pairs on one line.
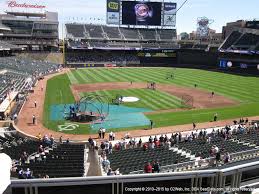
{"points": [[142, 11]]}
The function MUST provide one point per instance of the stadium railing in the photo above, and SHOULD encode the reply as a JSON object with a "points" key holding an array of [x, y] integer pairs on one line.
{"points": [[230, 178]]}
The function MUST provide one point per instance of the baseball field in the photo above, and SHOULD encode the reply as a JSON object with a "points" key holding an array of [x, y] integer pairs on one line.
{"points": [[235, 96]]}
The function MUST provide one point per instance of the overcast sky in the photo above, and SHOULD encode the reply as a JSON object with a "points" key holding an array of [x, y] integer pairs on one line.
{"points": [[94, 11]]}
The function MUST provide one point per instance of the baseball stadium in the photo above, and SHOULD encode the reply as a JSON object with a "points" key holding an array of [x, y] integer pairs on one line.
{"points": [[127, 105]]}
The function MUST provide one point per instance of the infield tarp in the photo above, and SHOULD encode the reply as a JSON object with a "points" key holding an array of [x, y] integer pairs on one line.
{"points": [[119, 116]]}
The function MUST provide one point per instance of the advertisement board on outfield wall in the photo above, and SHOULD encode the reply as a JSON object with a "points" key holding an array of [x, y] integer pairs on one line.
{"points": [[113, 12], [157, 54]]}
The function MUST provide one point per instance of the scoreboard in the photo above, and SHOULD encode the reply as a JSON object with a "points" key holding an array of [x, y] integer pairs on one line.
{"points": [[141, 13]]}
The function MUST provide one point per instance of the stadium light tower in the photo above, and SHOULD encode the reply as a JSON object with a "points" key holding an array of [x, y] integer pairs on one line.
{"points": [[203, 28]]}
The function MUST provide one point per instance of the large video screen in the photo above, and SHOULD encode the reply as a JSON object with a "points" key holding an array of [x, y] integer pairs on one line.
{"points": [[141, 13]]}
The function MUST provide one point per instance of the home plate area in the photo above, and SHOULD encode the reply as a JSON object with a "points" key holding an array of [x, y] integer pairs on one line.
{"points": [[116, 116]]}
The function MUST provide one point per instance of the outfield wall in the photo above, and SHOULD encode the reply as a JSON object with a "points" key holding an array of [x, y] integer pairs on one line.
{"points": [[197, 57], [183, 58]]}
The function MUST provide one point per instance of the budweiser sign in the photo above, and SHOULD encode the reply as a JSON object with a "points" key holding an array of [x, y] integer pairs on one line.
{"points": [[13, 4]]}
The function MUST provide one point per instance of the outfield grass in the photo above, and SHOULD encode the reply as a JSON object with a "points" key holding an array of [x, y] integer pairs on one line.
{"points": [[151, 99], [241, 88]]}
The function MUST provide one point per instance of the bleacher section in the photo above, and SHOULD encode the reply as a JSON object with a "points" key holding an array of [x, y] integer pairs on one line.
{"points": [[248, 39], [134, 159], [98, 36], [200, 147], [241, 40], [97, 44], [186, 154], [7, 46], [94, 31], [98, 57], [151, 45], [14, 145], [15, 71], [130, 34], [67, 160], [75, 30], [27, 66], [231, 39], [112, 32], [13, 81], [148, 34], [167, 34], [63, 160]]}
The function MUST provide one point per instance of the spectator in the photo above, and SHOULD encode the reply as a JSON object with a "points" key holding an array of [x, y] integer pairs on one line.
{"points": [[40, 149], [67, 141], [110, 172], [218, 157], [134, 142], [148, 168], [127, 135], [226, 157], [166, 139], [39, 137], [161, 140], [33, 119], [156, 167], [145, 146], [151, 124], [110, 148], [180, 137], [60, 139], [111, 136], [215, 117], [103, 132], [193, 125], [28, 174], [117, 172], [106, 164], [150, 139], [91, 145], [46, 141], [102, 146], [46, 176], [209, 140], [24, 157], [15, 116], [21, 174], [51, 140], [100, 133]]}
